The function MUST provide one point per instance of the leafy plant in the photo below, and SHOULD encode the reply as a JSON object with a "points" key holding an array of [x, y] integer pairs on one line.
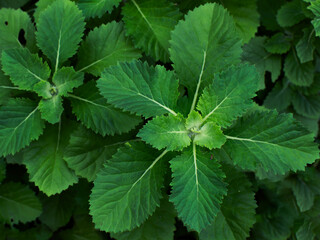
{"points": [[139, 119]]}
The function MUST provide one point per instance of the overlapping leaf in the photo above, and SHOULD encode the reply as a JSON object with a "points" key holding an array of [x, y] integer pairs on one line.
{"points": [[96, 8]]}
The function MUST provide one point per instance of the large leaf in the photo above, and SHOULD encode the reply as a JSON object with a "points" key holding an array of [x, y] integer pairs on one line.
{"points": [[308, 106], [20, 123], [237, 213], [41, 6], [305, 46], [44, 160], [160, 226], [212, 45], [166, 132], [290, 14], [18, 203], [105, 46], [15, 23], [197, 187], [87, 152], [150, 22], [95, 113], [60, 28], [27, 71], [277, 143], [128, 189], [229, 95], [96, 8], [51, 109], [139, 88]]}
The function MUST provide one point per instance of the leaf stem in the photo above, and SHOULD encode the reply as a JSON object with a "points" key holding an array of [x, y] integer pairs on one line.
{"points": [[8, 87]]}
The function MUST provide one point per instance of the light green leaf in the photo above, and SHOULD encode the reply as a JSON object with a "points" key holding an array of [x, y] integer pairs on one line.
{"points": [[315, 8], [237, 213], [41, 6], [280, 96], [166, 132], [212, 45], [229, 95], [27, 71], [194, 120], [65, 79], [18, 203], [255, 53], [128, 189], [197, 187], [20, 124], [305, 47], [278, 43], [105, 46], [307, 106], [87, 152], [160, 226], [96, 8], [150, 22], [51, 109], [13, 23], [139, 88], [275, 142], [60, 28], [290, 14], [300, 74], [95, 113], [44, 160], [210, 136]]}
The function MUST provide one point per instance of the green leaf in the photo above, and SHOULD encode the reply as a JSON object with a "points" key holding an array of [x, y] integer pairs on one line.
{"points": [[290, 14], [60, 28], [305, 232], [96, 8], [166, 132], [57, 210], [255, 53], [13, 4], [278, 44], [237, 213], [44, 160], [20, 124], [139, 88], [280, 96], [194, 120], [51, 109], [87, 152], [128, 189], [305, 47], [105, 46], [159, 226], [229, 95], [210, 47], [2, 169], [277, 143], [197, 187], [6, 88], [210, 136], [150, 22], [309, 123], [18, 203], [315, 8], [12, 23], [307, 106], [95, 113], [65, 79], [268, 13], [300, 74], [27, 71], [41, 6]]}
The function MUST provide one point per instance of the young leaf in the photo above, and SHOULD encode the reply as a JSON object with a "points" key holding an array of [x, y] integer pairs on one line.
{"points": [[290, 14], [305, 47], [315, 8], [20, 124], [18, 203], [95, 113], [159, 226], [197, 187], [229, 95], [300, 74], [44, 161], [139, 88], [166, 132], [210, 47], [275, 142], [66, 79], [96, 8], [128, 189], [278, 44], [150, 22], [87, 152], [14, 21], [210, 136], [51, 109], [105, 46], [27, 71], [237, 213], [60, 28]]}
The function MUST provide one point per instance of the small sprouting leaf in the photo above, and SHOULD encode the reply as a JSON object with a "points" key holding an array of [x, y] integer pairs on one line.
{"points": [[166, 132], [210, 136], [105, 46], [65, 79], [51, 109], [140, 88], [96, 8]]}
